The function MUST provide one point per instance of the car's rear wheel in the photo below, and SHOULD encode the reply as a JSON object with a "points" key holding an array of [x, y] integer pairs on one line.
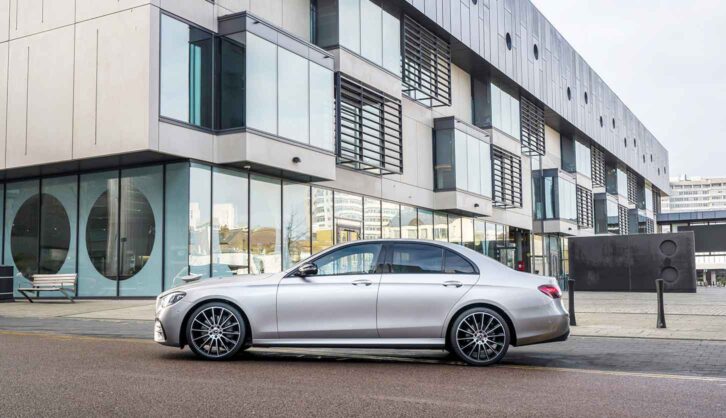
{"points": [[479, 336], [216, 331]]}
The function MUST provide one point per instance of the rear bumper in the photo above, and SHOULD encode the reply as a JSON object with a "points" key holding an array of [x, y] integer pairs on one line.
{"points": [[545, 327]]}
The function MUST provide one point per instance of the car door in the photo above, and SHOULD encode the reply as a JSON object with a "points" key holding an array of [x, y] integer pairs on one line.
{"points": [[337, 302], [419, 286]]}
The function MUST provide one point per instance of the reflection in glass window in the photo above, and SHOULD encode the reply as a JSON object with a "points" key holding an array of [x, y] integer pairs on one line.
{"points": [[471, 164], [583, 159], [371, 42], [52, 233], [491, 248], [505, 112], [98, 195], [354, 259], [479, 235], [372, 221], [349, 25], [409, 222], [230, 227], [425, 224], [200, 219], [262, 84], [648, 199], [176, 217], [322, 213], [391, 44], [265, 224], [231, 112], [292, 75], [567, 200], [390, 220], [417, 258], [295, 223], [455, 229], [441, 227], [322, 109], [454, 263], [348, 217], [140, 213], [365, 29], [622, 182], [467, 232], [186, 73], [612, 217]]}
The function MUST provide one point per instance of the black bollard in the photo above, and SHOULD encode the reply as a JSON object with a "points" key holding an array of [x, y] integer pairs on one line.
{"points": [[571, 300], [659, 286]]}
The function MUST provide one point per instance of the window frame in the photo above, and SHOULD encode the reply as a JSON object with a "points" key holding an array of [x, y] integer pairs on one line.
{"points": [[388, 246], [377, 263]]}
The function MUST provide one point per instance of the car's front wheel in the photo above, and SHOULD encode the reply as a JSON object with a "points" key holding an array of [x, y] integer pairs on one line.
{"points": [[216, 331], [479, 336]]}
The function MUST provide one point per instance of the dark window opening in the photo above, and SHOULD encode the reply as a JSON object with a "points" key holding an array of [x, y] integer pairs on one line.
{"points": [[506, 179], [508, 39], [426, 65], [369, 128]]}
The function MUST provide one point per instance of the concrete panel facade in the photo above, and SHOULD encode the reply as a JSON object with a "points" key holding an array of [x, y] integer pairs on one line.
{"points": [[483, 28]]}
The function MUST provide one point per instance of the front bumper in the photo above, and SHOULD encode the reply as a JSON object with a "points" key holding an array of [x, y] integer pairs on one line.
{"points": [[168, 324]]}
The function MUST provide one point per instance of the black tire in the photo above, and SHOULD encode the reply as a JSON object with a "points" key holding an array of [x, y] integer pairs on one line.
{"points": [[212, 328], [479, 336]]}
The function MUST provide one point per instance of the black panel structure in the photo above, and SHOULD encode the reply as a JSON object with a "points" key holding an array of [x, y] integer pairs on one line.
{"points": [[368, 128], [709, 238], [632, 263], [506, 179], [598, 167], [532, 127], [426, 67], [584, 208]]}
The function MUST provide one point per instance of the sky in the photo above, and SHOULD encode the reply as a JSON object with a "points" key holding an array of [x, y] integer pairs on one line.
{"points": [[667, 61]]}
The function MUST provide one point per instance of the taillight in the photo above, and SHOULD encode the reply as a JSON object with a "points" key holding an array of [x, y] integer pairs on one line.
{"points": [[551, 291]]}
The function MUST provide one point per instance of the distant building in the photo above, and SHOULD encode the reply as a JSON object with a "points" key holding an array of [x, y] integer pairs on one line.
{"points": [[695, 194]]}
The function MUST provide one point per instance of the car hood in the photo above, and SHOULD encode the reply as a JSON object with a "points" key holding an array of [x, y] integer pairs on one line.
{"points": [[212, 282]]}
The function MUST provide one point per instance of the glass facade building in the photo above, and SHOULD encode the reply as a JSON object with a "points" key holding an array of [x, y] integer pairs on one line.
{"points": [[235, 139], [138, 231]]}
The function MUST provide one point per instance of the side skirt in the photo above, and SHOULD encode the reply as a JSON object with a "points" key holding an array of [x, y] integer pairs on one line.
{"points": [[411, 343]]}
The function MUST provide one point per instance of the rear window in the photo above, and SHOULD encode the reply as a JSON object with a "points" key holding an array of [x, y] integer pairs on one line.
{"points": [[454, 263], [416, 258]]}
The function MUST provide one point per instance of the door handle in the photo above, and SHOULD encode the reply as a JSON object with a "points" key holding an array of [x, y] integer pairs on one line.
{"points": [[454, 283], [359, 282]]}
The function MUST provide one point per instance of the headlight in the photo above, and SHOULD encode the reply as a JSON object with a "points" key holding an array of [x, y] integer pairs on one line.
{"points": [[171, 299]]}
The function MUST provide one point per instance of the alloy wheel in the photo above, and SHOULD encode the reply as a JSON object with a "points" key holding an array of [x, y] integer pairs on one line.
{"points": [[215, 332], [481, 337]]}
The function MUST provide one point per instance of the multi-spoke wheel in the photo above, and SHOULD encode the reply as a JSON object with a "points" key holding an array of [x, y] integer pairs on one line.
{"points": [[479, 336], [216, 331]]}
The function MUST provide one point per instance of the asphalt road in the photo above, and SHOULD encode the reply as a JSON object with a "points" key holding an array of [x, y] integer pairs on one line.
{"points": [[71, 375]]}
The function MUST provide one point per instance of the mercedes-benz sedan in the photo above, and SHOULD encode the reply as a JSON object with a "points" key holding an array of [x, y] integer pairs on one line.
{"points": [[373, 294]]}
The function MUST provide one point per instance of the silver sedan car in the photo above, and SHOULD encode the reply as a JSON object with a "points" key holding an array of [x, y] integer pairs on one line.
{"points": [[371, 294]]}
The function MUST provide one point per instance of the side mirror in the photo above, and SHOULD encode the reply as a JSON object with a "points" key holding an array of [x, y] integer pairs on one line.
{"points": [[307, 269]]}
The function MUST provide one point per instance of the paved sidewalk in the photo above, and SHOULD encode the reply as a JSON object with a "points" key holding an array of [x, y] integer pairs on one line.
{"points": [[699, 316]]}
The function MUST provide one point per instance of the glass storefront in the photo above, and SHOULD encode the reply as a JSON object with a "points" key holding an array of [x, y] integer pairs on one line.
{"points": [[137, 231]]}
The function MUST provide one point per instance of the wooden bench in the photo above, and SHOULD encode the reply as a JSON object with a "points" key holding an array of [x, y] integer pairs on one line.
{"points": [[64, 283]]}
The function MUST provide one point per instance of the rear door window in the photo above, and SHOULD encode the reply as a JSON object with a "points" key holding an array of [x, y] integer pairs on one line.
{"points": [[416, 258], [454, 263]]}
